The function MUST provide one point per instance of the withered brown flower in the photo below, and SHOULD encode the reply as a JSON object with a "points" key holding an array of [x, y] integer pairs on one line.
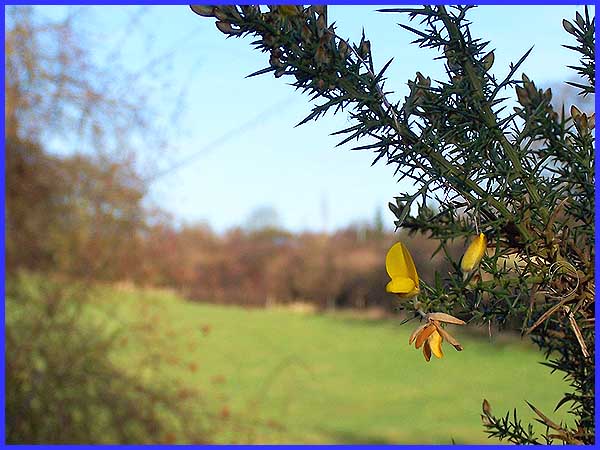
{"points": [[431, 334]]}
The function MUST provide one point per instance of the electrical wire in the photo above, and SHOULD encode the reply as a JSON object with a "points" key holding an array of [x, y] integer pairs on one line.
{"points": [[225, 137]]}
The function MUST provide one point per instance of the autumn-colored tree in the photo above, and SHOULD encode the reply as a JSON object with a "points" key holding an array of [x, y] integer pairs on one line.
{"points": [[75, 214], [69, 215]]}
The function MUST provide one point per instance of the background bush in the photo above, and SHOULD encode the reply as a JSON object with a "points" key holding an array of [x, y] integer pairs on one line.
{"points": [[63, 388]]}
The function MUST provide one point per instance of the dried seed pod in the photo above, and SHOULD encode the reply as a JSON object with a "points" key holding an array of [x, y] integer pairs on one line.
{"points": [[343, 49], [422, 81], [320, 9], [275, 61], [226, 28], [321, 55], [575, 112], [488, 61], [486, 408], [568, 26], [321, 25], [443, 317], [306, 33], [232, 11], [522, 96], [581, 120], [288, 10], [419, 93], [221, 13], [203, 10], [583, 123], [365, 49], [531, 91]]}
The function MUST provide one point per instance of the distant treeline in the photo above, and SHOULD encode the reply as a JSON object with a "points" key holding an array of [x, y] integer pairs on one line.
{"points": [[83, 218]]}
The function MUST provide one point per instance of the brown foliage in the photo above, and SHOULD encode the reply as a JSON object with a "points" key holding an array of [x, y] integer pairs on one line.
{"points": [[83, 217], [76, 216], [271, 266]]}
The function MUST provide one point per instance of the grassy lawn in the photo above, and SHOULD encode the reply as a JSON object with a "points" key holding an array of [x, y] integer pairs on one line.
{"points": [[281, 377]]}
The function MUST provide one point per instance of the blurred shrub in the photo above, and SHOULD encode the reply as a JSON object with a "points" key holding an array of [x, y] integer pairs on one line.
{"points": [[75, 215], [62, 386], [263, 267], [83, 217]]}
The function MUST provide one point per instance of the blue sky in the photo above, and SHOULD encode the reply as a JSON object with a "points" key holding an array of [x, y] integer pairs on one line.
{"points": [[237, 135]]}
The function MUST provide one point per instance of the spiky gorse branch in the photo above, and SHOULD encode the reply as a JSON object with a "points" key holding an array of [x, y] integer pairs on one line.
{"points": [[523, 177], [584, 31]]}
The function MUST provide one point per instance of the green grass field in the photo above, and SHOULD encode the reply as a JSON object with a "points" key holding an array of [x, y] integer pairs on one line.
{"points": [[277, 376]]}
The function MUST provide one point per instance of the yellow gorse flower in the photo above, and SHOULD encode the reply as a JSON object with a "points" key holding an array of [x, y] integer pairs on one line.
{"points": [[401, 269], [405, 284], [473, 254]]}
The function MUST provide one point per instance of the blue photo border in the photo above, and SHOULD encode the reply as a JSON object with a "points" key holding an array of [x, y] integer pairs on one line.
{"points": [[3, 187]]}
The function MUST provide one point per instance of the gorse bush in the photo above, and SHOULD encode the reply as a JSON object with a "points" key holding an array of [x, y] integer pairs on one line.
{"points": [[523, 177], [62, 386]]}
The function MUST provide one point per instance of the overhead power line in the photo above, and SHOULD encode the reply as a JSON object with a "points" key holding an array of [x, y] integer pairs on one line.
{"points": [[225, 137]]}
